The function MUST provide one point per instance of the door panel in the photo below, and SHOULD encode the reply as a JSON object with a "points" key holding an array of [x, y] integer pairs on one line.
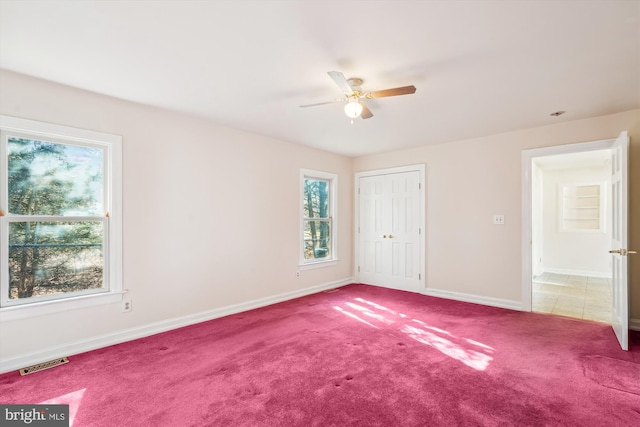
{"points": [[619, 240], [389, 230]]}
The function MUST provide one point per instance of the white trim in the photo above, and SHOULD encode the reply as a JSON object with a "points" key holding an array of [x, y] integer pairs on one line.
{"points": [[526, 236], [66, 133], [318, 264], [421, 169], [634, 324], [101, 341], [40, 308], [570, 272], [476, 299]]}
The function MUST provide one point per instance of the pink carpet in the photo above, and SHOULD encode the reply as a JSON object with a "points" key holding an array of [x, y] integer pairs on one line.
{"points": [[358, 356]]}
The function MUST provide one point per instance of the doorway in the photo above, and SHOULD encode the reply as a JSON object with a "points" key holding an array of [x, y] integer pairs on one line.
{"points": [[390, 228], [571, 233], [619, 149]]}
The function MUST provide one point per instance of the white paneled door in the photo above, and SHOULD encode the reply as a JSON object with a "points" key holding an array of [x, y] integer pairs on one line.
{"points": [[619, 240], [390, 230]]}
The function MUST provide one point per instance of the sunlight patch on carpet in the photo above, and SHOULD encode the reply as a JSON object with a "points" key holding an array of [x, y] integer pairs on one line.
{"points": [[470, 352], [479, 344], [380, 307], [365, 311], [353, 316], [73, 399], [472, 358]]}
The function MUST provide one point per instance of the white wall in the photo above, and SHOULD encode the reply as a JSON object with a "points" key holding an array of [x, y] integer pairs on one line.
{"points": [[575, 252], [469, 181], [210, 215]]}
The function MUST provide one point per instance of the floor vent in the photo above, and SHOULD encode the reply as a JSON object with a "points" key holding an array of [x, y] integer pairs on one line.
{"points": [[42, 366], [328, 291]]}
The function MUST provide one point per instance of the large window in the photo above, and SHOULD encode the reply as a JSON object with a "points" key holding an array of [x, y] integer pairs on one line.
{"points": [[60, 223], [318, 217]]}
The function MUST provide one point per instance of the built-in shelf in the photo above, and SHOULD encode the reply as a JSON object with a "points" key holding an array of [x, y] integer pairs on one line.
{"points": [[581, 207]]}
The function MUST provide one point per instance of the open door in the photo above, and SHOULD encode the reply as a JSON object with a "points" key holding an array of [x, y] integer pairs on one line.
{"points": [[619, 239]]}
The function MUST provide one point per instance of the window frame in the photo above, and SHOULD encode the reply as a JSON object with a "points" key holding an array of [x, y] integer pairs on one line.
{"points": [[332, 178], [112, 290]]}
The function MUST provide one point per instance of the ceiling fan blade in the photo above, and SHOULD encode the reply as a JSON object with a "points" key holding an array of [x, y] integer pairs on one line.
{"points": [[341, 81], [366, 113], [404, 90], [324, 103]]}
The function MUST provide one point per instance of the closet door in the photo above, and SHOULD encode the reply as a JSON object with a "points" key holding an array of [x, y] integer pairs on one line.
{"points": [[390, 230]]}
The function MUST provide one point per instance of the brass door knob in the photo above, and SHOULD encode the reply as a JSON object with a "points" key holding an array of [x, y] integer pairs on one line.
{"points": [[623, 252]]}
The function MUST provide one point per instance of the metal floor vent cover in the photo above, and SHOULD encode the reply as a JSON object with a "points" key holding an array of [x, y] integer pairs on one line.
{"points": [[328, 291], [42, 366]]}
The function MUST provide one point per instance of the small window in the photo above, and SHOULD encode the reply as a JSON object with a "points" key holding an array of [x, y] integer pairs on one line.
{"points": [[59, 197], [318, 217], [581, 207]]}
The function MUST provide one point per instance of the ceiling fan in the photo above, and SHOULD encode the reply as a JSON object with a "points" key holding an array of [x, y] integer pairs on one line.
{"points": [[354, 96]]}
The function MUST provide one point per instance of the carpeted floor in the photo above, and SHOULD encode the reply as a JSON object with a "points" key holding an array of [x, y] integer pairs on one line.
{"points": [[362, 356]]}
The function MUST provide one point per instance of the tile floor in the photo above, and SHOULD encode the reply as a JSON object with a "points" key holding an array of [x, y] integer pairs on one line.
{"points": [[580, 297]]}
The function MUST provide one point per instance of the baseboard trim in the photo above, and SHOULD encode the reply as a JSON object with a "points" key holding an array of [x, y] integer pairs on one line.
{"points": [[28, 359], [476, 299], [634, 324], [570, 272]]}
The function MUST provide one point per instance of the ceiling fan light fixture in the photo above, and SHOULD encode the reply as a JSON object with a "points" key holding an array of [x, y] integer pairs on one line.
{"points": [[353, 95], [353, 109]]}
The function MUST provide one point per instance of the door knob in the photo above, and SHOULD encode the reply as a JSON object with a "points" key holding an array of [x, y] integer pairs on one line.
{"points": [[384, 236], [391, 236], [623, 252]]}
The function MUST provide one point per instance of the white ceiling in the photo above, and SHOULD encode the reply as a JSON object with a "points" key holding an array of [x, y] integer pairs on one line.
{"points": [[480, 67]]}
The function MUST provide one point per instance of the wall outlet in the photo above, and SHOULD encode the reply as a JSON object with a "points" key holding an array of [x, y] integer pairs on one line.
{"points": [[126, 305], [297, 274], [498, 219]]}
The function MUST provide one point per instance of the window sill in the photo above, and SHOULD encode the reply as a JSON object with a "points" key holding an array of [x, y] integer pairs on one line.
{"points": [[318, 264], [47, 307]]}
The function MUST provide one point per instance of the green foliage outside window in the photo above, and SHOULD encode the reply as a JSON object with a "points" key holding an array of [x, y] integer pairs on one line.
{"points": [[55, 255], [317, 222]]}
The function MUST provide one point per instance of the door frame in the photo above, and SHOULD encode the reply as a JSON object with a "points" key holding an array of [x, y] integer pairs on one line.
{"points": [[527, 157], [421, 169]]}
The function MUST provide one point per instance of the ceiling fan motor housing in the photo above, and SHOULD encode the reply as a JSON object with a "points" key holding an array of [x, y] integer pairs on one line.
{"points": [[355, 84]]}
